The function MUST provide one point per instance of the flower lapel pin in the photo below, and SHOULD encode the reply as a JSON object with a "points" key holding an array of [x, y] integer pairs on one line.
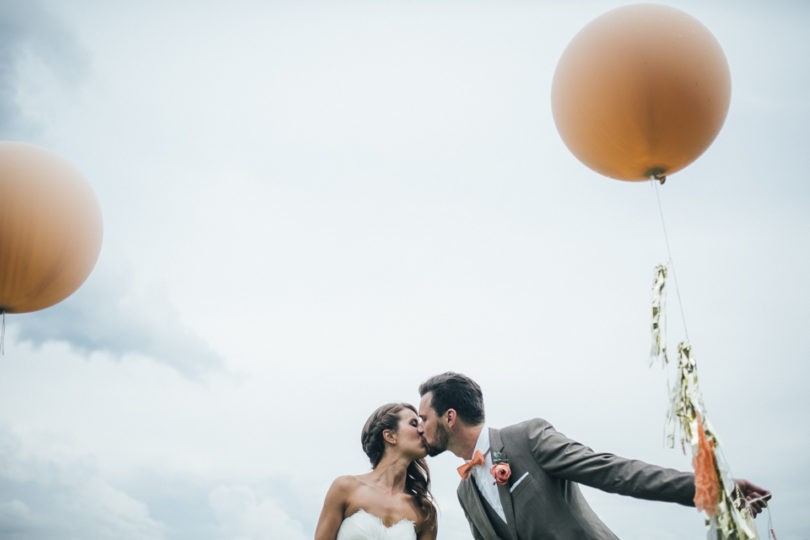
{"points": [[500, 468]]}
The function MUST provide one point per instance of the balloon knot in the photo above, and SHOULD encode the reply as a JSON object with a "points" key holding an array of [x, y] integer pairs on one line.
{"points": [[657, 173]]}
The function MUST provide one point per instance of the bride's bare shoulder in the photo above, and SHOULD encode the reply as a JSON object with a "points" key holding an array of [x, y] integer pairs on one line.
{"points": [[346, 484]]}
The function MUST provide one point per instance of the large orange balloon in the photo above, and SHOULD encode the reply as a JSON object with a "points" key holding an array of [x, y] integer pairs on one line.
{"points": [[641, 91], [50, 228]]}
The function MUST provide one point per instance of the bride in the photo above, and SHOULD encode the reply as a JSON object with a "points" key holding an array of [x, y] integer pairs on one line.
{"points": [[393, 501]]}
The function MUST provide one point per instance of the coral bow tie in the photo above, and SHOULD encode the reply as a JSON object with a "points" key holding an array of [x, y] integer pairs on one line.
{"points": [[478, 459]]}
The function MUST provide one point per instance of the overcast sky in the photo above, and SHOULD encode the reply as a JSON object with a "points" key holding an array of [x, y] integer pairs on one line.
{"points": [[311, 207]]}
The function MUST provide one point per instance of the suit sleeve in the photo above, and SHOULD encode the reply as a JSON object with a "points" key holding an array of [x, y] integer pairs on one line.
{"points": [[565, 458]]}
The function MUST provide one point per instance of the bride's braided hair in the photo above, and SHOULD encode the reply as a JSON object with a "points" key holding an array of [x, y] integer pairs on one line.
{"points": [[418, 476]]}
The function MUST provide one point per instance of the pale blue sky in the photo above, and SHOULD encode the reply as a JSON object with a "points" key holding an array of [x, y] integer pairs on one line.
{"points": [[310, 208]]}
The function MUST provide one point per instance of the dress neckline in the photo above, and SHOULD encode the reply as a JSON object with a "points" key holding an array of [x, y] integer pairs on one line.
{"points": [[378, 518]]}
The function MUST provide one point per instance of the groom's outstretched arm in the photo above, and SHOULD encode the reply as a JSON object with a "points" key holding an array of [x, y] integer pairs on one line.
{"points": [[568, 459]]}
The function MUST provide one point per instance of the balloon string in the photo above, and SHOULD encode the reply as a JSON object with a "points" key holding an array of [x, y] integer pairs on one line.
{"points": [[770, 523], [655, 182], [3, 334]]}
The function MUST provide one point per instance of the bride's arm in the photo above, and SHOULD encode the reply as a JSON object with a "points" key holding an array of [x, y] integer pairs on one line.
{"points": [[333, 508]]}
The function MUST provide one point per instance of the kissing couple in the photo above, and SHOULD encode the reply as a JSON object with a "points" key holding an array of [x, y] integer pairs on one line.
{"points": [[517, 483]]}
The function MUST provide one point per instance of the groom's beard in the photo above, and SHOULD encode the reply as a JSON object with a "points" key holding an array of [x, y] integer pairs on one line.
{"points": [[440, 444]]}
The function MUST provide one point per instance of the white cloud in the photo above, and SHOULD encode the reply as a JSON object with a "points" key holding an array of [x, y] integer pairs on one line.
{"points": [[242, 515], [61, 497], [116, 314], [34, 46]]}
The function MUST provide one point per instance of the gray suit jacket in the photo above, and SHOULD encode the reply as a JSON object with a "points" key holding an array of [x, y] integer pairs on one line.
{"points": [[542, 499]]}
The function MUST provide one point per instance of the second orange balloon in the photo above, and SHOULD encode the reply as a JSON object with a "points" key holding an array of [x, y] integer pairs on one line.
{"points": [[50, 228]]}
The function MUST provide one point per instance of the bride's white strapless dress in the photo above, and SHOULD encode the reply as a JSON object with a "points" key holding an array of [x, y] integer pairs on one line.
{"points": [[364, 526]]}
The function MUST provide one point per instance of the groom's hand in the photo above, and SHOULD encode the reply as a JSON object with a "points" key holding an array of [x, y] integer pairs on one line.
{"points": [[755, 497]]}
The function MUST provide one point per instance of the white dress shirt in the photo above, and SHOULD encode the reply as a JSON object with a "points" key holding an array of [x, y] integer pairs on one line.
{"points": [[483, 479]]}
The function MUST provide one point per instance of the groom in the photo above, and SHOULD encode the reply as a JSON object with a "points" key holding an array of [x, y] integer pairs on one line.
{"points": [[539, 497]]}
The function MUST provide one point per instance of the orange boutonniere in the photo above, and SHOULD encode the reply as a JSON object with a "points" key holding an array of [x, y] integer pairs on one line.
{"points": [[500, 469]]}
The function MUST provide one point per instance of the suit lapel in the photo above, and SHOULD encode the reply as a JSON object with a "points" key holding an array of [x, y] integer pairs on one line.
{"points": [[475, 508], [496, 445]]}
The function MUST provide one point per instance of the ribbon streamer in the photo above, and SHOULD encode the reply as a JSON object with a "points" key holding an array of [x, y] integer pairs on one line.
{"points": [[715, 489], [723, 519], [658, 350]]}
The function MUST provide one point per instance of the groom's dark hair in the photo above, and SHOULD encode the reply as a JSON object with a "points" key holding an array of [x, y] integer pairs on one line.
{"points": [[456, 391]]}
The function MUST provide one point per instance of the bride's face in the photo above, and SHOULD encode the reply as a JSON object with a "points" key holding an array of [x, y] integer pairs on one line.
{"points": [[409, 440]]}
